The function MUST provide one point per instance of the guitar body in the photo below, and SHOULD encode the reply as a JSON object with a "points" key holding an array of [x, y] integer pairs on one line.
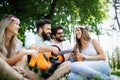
{"points": [[43, 60]]}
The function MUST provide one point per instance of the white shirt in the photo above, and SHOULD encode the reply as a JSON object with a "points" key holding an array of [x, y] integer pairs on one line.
{"points": [[65, 45]]}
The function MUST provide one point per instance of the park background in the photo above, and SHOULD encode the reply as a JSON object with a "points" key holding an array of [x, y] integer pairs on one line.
{"points": [[101, 16]]}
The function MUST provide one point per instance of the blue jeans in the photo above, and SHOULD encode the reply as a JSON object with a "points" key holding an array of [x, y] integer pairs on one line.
{"points": [[87, 70]]}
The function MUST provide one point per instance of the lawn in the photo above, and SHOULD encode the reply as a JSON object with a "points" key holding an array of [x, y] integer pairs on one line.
{"points": [[115, 72]]}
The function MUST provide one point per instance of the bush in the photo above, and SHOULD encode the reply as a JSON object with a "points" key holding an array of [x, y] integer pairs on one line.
{"points": [[116, 72]]}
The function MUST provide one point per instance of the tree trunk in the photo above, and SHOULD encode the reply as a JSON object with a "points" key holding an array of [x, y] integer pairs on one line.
{"points": [[118, 60], [113, 60], [116, 14]]}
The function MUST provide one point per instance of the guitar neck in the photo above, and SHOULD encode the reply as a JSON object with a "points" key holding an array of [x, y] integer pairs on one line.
{"points": [[65, 51]]}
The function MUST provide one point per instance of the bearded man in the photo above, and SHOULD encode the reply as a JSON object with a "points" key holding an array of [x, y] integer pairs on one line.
{"points": [[58, 35], [41, 42]]}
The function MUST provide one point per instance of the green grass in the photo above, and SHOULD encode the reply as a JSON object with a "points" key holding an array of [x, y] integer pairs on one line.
{"points": [[4, 77], [115, 72]]}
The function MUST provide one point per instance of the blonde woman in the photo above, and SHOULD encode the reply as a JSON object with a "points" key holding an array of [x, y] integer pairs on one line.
{"points": [[12, 57], [90, 58]]}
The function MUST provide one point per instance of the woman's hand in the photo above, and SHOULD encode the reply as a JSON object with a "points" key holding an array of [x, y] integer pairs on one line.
{"points": [[80, 57]]}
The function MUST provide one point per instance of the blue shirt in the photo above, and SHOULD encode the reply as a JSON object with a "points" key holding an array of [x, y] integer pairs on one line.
{"points": [[31, 39]]}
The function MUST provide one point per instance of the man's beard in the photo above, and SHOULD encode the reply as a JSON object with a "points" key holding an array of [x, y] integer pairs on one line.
{"points": [[45, 37], [60, 40]]}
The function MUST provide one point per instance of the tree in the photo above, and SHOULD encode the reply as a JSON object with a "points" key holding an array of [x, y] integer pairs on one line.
{"points": [[61, 12], [117, 50], [116, 6]]}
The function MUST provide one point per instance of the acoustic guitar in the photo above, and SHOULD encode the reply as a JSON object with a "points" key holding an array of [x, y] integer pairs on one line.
{"points": [[44, 60], [47, 62]]}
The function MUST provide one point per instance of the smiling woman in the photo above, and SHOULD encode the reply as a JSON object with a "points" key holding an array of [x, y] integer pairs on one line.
{"points": [[90, 59], [12, 57], [13, 27]]}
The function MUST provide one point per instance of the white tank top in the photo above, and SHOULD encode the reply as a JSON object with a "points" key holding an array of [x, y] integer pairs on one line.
{"points": [[90, 49]]}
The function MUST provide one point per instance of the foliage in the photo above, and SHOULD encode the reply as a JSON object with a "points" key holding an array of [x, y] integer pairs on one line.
{"points": [[114, 59], [67, 13], [3, 77], [115, 72]]}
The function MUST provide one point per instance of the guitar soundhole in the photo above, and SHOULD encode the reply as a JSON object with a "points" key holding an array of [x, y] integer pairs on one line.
{"points": [[53, 59]]}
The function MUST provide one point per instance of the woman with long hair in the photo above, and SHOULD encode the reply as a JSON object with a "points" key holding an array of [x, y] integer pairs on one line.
{"points": [[13, 57], [90, 59]]}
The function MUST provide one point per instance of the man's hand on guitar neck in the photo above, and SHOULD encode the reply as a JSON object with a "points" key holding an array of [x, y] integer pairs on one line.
{"points": [[54, 50]]}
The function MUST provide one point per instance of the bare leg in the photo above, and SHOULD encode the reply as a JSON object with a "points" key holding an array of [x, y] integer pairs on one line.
{"points": [[24, 69], [9, 71], [22, 63], [61, 71], [32, 75]]}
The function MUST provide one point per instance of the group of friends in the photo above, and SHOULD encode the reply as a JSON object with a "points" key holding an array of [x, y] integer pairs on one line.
{"points": [[86, 62]]}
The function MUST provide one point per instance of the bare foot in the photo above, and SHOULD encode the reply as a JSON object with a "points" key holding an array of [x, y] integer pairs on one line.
{"points": [[18, 69], [31, 75]]}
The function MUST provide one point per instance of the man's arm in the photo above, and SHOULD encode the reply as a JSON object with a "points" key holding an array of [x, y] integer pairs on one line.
{"points": [[30, 43], [42, 48]]}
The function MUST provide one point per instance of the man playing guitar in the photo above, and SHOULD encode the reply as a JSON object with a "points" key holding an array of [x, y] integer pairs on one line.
{"points": [[41, 42]]}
